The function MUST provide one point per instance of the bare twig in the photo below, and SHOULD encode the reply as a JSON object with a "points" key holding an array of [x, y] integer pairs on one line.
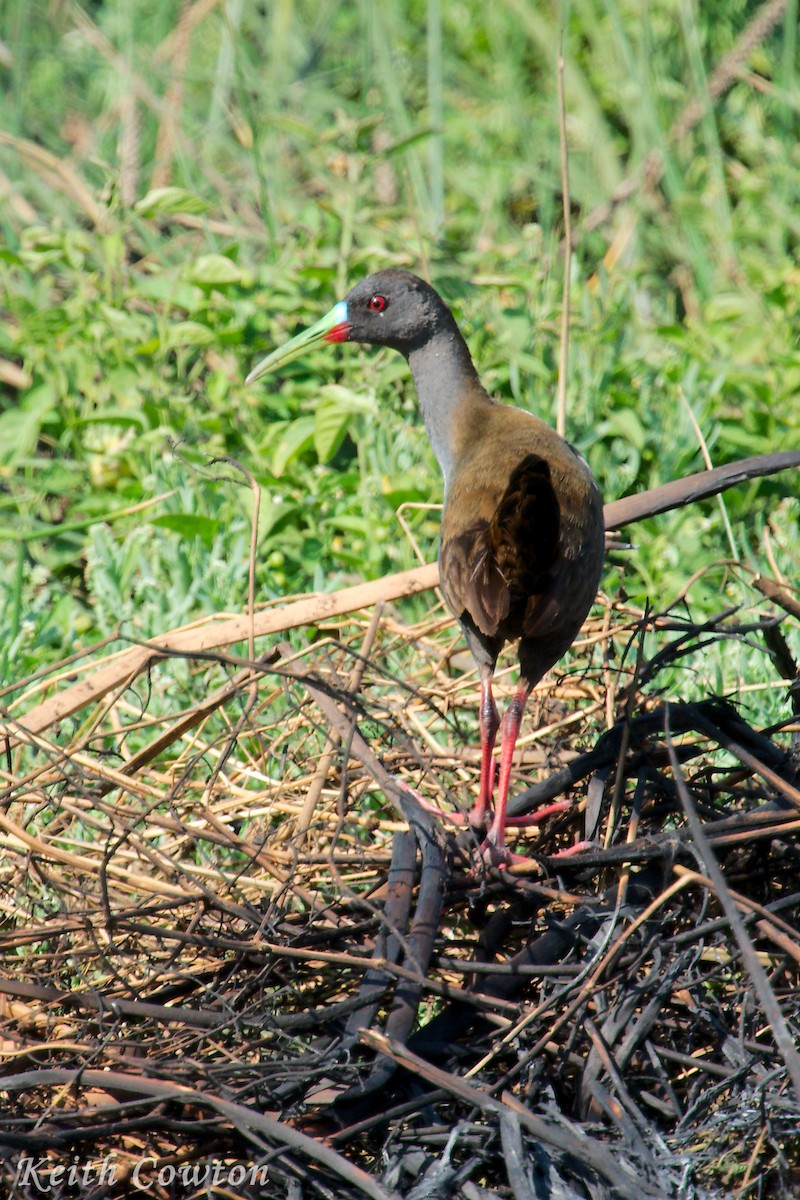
{"points": [[563, 345], [780, 1030]]}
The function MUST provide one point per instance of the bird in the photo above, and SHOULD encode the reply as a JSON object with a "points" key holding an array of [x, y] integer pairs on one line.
{"points": [[522, 539]]}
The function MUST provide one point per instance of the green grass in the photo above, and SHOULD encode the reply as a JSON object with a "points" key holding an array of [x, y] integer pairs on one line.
{"points": [[303, 148]]}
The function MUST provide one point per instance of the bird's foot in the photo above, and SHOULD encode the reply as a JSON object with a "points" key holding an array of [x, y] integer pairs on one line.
{"points": [[538, 815], [494, 855], [500, 856], [495, 852], [575, 848], [460, 820], [477, 818], [493, 849]]}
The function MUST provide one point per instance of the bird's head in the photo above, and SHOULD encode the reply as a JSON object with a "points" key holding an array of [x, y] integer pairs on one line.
{"points": [[390, 308]]}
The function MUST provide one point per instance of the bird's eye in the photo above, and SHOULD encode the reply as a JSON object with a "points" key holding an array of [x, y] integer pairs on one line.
{"points": [[377, 303]]}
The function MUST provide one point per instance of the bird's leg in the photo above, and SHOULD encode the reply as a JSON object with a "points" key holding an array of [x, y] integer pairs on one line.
{"points": [[494, 847], [495, 842], [490, 723]]}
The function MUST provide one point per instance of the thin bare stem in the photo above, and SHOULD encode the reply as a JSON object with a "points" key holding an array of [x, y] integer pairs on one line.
{"points": [[563, 348]]}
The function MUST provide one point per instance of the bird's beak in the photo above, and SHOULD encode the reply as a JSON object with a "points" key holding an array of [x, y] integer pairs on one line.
{"points": [[333, 327]]}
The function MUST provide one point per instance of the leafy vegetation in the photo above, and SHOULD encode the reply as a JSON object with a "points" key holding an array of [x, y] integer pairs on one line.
{"points": [[179, 197], [183, 187]]}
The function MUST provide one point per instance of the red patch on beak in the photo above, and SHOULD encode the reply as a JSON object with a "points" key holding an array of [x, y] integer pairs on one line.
{"points": [[339, 333]]}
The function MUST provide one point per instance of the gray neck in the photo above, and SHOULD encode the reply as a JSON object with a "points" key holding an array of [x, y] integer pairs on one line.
{"points": [[446, 381]]}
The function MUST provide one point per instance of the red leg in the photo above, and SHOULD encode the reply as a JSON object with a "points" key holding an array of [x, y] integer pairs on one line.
{"points": [[495, 842], [494, 846], [490, 723]]}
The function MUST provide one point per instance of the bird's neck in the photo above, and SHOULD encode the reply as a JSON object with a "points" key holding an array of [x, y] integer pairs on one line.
{"points": [[449, 391]]}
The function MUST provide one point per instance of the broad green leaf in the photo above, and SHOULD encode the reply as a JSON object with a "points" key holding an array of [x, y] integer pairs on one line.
{"points": [[166, 289], [728, 306], [626, 422], [750, 442], [348, 399], [189, 525], [188, 333], [131, 326], [353, 524], [20, 427], [297, 437], [163, 201], [113, 416], [215, 270], [331, 423]]}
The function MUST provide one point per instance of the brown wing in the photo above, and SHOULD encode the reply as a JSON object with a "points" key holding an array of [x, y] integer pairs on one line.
{"points": [[494, 568], [523, 538], [470, 579]]}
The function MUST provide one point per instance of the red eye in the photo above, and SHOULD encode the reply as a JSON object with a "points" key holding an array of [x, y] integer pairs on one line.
{"points": [[377, 303]]}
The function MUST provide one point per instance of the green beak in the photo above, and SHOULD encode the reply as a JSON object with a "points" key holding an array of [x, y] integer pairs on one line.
{"points": [[332, 328]]}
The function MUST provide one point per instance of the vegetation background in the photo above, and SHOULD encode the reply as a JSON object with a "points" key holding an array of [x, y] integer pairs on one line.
{"points": [[185, 184]]}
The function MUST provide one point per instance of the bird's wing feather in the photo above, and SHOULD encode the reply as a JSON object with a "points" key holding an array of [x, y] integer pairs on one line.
{"points": [[524, 533], [496, 554], [471, 580]]}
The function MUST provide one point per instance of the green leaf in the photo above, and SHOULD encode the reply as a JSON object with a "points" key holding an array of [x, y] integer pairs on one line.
{"points": [[626, 423], [728, 306], [330, 429], [189, 525], [162, 201], [297, 438], [361, 525], [347, 399], [166, 289], [334, 415], [188, 333], [20, 427], [745, 438], [405, 143], [394, 497], [133, 327], [215, 270], [114, 416]]}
